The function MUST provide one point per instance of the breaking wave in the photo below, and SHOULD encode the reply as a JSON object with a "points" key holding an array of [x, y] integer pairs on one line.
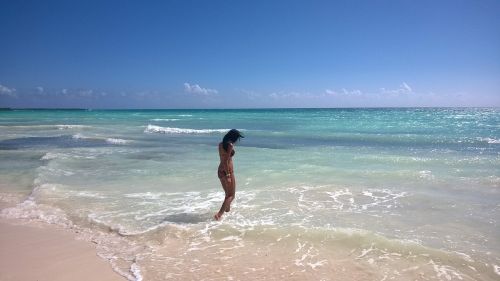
{"points": [[170, 130]]}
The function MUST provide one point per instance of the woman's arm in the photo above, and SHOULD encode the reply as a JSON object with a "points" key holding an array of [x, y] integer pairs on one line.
{"points": [[227, 159]]}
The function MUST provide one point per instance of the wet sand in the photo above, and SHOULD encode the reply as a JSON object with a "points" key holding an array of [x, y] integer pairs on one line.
{"points": [[44, 252]]}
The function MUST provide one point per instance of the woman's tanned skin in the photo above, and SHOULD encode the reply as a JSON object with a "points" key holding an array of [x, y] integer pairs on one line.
{"points": [[225, 170]]}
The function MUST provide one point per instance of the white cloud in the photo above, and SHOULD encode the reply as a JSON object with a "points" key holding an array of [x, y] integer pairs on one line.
{"points": [[273, 95], [86, 93], [406, 87], [196, 89], [40, 89], [403, 89], [252, 95], [7, 91], [148, 94], [354, 92], [343, 92], [329, 92], [64, 91], [290, 95]]}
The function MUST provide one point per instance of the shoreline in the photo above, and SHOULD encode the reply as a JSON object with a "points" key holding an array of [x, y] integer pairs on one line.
{"points": [[36, 251]]}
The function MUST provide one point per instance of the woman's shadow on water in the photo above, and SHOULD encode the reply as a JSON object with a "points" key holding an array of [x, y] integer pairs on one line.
{"points": [[187, 218]]}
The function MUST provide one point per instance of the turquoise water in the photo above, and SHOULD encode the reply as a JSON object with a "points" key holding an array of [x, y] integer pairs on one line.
{"points": [[322, 194]]}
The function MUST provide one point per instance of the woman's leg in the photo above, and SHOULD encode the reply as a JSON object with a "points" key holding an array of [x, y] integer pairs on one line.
{"points": [[232, 191], [229, 191]]}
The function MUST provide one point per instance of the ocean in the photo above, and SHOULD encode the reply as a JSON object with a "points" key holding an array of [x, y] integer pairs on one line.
{"points": [[321, 194]]}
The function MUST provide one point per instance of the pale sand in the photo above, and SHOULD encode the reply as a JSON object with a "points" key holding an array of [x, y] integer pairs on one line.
{"points": [[39, 253]]}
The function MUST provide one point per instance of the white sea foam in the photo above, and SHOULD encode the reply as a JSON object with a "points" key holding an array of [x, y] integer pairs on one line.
{"points": [[164, 119], [89, 194], [382, 198], [339, 196], [53, 155], [310, 254], [426, 174], [11, 197], [317, 264], [58, 155], [79, 136], [465, 256], [497, 269], [144, 195], [120, 253], [489, 140], [445, 271], [50, 170], [67, 127], [374, 201], [122, 231], [116, 141], [170, 130], [231, 238], [47, 127], [32, 211], [110, 247], [136, 271], [364, 252]]}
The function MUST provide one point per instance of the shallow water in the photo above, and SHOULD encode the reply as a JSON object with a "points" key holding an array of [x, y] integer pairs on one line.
{"points": [[322, 194]]}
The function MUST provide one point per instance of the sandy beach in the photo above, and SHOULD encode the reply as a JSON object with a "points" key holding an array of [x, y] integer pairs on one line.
{"points": [[43, 252]]}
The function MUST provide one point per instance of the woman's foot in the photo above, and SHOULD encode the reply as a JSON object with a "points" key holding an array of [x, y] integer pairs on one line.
{"points": [[217, 216]]}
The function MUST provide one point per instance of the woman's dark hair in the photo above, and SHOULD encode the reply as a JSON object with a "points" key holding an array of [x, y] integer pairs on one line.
{"points": [[232, 136]]}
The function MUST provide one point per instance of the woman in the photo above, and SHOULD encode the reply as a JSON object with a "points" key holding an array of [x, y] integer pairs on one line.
{"points": [[225, 171]]}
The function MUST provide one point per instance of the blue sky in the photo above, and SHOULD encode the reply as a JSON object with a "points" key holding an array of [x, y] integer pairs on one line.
{"points": [[239, 54]]}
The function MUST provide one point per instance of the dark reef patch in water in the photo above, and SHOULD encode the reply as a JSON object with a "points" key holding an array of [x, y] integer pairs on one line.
{"points": [[65, 141]]}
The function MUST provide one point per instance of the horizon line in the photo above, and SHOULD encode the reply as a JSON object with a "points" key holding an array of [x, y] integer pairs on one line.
{"points": [[237, 108]]}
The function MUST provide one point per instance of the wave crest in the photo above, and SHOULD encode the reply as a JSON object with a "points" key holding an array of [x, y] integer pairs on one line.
{"points": [[489, 140], [107, 140], [170, 130], [164, 119], [116, 141]]}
